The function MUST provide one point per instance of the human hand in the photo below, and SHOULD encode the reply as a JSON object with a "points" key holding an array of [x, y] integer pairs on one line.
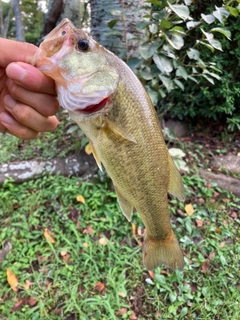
{"points": [[28, 100]]}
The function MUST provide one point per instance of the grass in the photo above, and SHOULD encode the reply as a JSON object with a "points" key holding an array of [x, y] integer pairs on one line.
{"points": [[94, 269]]}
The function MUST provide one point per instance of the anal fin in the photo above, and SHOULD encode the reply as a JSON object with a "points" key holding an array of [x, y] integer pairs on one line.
{"points": [[118, 131], [125, 205], [175, 186]]}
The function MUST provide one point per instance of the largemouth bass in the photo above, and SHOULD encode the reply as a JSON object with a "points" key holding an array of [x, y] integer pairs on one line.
{"points": [[110, 105]]}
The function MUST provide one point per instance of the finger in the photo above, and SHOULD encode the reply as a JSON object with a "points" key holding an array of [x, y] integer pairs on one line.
{"points": [[32, 119], [17, 129], [15, 51], [30, 78], [45, 104]]}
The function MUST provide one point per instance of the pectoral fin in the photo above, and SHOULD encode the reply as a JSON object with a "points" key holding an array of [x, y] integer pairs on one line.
{"points": [[175, 186], [125, 205], [96, 157], [118, 131]]}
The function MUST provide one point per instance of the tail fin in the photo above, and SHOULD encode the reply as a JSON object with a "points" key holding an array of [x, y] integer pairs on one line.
{"points": [[165, 251]]}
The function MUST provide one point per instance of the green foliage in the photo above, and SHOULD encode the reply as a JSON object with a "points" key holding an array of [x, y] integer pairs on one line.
{"points": [[63, 274], [190, 57]]}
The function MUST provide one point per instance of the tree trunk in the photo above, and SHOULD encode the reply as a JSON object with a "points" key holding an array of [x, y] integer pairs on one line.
{"points": [[18, 21], [120, 39]]}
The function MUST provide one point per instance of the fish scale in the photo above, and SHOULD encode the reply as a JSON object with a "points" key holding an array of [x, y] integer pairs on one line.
{"points": [[124, 132]]}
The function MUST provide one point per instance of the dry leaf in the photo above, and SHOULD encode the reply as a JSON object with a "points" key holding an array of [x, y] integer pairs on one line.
{"points": [[85, 245], [133, 316], [121, 312], [199, 223], [18, 305], [211, 255], [189, 209], [27, 285], [103, 241], [99, 286], [32, 301], [88, 230], [63, 253], [12, 280], [218, 230], [134, 229], [48, 235], [122, 294], [222, 244], [88, 148], [152, 275], [205, 266], [80, 199]]}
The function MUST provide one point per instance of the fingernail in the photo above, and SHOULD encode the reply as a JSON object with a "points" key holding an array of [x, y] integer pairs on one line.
{"points": [[6, 118], [17, 72], [9, 101]]}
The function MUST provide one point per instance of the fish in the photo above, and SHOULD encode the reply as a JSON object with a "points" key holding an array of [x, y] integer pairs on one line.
{"points": [[110, 105]]}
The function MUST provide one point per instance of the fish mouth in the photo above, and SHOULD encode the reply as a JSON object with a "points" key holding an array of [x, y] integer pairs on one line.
{"points": [[93, 108]]}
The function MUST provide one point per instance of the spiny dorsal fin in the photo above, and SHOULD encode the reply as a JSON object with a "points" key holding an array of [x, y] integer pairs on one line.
{"points": [[125, 205], [175, 186]]}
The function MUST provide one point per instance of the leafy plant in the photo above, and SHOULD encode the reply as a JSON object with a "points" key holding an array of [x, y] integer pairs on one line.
{"points": [[189, 57]]}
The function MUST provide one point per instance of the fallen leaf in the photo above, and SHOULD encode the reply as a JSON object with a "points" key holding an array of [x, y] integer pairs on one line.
{"points": [[18, 305], [222, 244], [211, 255], [218, 230], [193, 287], [63, 253], [121, 312], [199, 223], [103, 241], [32, 301], [12, 280], [151, 273], [88, 148], [134, 228], [67, 257], [80, 199], [99, 286], [88, 230], [205, 266], [122, 294], [133, 316], [48, 235], [234, 215], [27, 285], [85, 245], [189, 209]]}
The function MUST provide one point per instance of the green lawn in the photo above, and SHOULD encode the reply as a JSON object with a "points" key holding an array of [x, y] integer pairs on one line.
{"points": [[94, 268]]}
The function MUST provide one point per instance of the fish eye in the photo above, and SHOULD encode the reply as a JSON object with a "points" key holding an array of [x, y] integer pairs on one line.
{"points": [[63, 33], [83, 44]]}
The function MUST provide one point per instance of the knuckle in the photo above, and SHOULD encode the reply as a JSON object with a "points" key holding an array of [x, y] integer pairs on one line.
{"points": [[21, 113]]}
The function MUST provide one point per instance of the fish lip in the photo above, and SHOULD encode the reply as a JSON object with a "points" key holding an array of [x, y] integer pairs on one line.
{"points": [[95, 107]]}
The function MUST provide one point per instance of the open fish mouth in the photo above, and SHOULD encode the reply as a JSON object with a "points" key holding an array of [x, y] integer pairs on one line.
{"points": [[95, 107]]}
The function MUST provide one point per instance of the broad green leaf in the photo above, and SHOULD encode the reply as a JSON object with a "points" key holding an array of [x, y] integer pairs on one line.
{"points": [[153, 96], [193, 79], [146, 75], [154, 46], [143, 24], [192, 24], [193, 54], [179, 84], [144, 50], [212, 74], [175, 40], [188, 2], [180, 10], [209, 18], [178, 29], [206, 45], [233, 11], [208, 78], [165, 24], [181, 72], [112, 23], [113, 33], [216, 44], [157, 2], [176, 153], [221, 13], [164, 64], [162, 93], [153, 28], [224, 31], [168, 83]]}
